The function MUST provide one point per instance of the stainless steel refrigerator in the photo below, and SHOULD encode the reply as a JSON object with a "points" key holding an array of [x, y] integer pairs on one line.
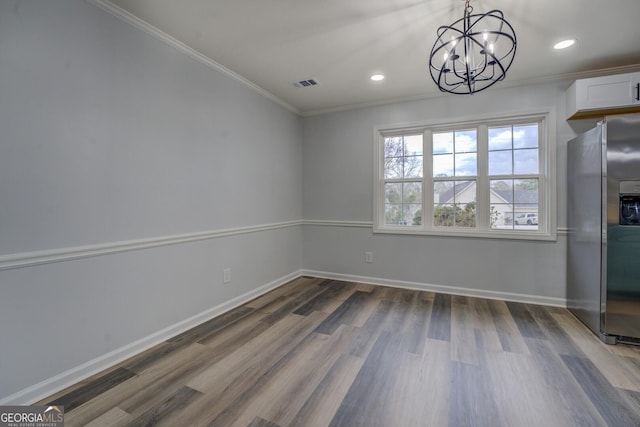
{"points": [[603, 216]]}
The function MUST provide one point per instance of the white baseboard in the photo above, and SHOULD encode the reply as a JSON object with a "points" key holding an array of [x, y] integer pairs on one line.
{"points": [[452, 290], [59, 382]]}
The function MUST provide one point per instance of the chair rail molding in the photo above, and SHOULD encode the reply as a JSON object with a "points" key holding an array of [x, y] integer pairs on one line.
{"points": [[29, 259]]}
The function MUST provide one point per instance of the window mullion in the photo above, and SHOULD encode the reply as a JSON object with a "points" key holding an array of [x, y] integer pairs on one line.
{"points": [[482, 185], [379, 181], [427, 179], [543, 174]]}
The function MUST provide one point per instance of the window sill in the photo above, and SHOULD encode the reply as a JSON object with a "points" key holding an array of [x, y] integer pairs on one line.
{"points": [[475, 234]]}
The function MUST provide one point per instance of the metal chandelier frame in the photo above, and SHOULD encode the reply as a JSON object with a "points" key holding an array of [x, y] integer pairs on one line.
{"points": [[473, 53]]}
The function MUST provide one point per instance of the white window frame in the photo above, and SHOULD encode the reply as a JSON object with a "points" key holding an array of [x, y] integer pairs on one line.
{"points": [[547, 212]]}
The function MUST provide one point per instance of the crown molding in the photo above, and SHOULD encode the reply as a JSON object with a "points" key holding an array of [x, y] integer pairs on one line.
{"points": [[503, 85], [138, 23]]}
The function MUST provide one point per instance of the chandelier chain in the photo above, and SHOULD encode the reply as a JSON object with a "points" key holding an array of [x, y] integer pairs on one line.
{"points": [[467, 7]]}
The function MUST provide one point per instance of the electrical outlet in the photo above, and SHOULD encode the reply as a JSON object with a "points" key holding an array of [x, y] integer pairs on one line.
{"points": [[226, 275], [368, 257]]}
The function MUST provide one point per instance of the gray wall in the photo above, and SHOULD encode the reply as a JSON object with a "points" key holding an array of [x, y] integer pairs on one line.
{"points": [[109, 136], [338, 186]]}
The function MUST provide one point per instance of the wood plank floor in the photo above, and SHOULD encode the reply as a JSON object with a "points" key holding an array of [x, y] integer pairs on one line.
{"points": [[320, 352]]}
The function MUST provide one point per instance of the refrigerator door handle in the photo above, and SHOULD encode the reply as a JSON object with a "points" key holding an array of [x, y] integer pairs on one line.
{"points": [[637, 91]]}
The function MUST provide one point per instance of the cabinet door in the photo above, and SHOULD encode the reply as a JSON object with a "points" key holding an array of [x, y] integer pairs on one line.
{"points": [[635, 88], [606, 92]]}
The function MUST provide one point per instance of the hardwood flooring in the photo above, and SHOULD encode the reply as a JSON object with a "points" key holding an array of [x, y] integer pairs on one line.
{"points": [[320, 352]]}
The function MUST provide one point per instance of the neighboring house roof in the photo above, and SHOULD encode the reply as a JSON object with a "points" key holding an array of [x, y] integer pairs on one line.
{"points": [[521, 197], [448, 196]]}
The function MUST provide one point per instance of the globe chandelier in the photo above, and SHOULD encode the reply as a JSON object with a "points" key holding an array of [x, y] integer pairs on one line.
{"points": [[473, 53]]}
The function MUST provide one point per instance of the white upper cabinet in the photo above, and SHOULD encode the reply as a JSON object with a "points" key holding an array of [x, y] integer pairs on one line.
{"points": [[600, 96]]}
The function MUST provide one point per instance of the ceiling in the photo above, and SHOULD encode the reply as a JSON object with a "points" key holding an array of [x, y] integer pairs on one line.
{"points": [[341, 43]]}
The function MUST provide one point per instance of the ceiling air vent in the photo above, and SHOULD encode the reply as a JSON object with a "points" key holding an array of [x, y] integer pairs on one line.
{"points": [[306, 83]]}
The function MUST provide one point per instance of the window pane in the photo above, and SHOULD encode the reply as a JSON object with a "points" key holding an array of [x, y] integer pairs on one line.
{"points": [[465, 214], [443, 216], [502, 192], [443, 165], [413, 145], [454, 204], [393, 167], [501, 184], [443, 143], [466, 141], [525, 136], [398, 214], [466, 164], [393, 157], [525, 161], [465, 192], [526, 217], [500, 138], [526, 191], [393, 146], [403, 157], [417, 216], [393, 193], [500, 163], [465, 204], [392, 213], [458, 215], [443, 192], [501, 216], [412, 215], [464, 146], [501, 199], [514, 204], [413, 167], [412, 193], [403, 203]]}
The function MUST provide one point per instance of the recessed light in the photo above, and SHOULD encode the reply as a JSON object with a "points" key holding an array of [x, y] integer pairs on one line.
{"points": [[564, 44], [377, 77]]}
